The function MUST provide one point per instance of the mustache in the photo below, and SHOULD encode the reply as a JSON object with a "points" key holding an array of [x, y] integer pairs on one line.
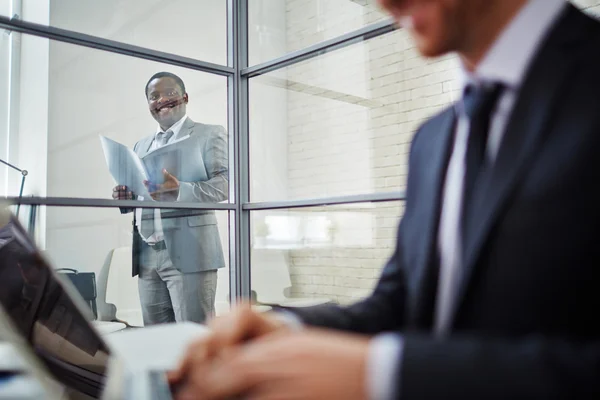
{"points": [[170, 104]]}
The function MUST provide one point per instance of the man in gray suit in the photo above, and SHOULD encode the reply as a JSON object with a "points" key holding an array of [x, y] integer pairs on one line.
{"points": [[177, 253]]}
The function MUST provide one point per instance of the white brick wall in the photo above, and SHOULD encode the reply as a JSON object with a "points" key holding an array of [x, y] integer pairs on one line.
{"points": [[351, 116]]}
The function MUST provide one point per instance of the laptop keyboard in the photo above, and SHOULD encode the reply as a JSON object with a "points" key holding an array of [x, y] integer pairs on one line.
{"points": [[159, 388]]}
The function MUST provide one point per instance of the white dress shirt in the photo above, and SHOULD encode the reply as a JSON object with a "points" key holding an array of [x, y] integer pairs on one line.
{"points": [[158, 234], [506, 62]]}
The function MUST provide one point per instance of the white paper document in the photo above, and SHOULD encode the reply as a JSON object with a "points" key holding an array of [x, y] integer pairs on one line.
{"points": [[125, 166], [182, 158]]}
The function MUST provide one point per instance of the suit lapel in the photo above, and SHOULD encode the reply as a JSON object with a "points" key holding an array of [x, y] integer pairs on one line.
{"points": [[185, 130], [539, 96], [433, 163], [144, 146]]}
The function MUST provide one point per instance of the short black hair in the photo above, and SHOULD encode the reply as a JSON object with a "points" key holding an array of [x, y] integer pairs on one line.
{"points": [[165, 75]]}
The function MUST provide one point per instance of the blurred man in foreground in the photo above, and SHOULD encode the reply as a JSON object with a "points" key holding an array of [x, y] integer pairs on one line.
{"points": [[492, 292]]}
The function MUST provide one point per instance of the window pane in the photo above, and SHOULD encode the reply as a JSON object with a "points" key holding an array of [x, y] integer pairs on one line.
{"points": [[341, 124], [99, 240], [312, 255], [5, 50], [71, 96], [190, 28], [277, 27]]}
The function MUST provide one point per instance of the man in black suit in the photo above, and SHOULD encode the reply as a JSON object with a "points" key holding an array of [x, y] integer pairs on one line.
{"points": [[492, 291]]}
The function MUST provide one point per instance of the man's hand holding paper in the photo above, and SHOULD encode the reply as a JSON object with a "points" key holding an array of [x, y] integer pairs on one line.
{"points": [[166, 191]]}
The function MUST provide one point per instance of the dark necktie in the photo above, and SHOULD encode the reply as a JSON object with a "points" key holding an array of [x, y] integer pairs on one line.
{"points": [[479, 103]]}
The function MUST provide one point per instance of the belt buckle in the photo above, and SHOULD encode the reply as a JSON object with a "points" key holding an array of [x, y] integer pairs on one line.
{"points": [[158, 245]]}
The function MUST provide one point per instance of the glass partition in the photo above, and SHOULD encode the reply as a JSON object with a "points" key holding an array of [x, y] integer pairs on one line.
{"points": [[276, 27], [308, 256], [81, 111], [190, 28], [191, 257], [341, 124]]}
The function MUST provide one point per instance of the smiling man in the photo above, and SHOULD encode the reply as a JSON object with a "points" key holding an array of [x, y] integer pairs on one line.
{"points": [[492, 290], [177, 254]]}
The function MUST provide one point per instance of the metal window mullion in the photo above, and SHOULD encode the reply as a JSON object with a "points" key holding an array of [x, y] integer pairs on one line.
{"points": [[326, 201], [238, 86], [112, 46], [108, 203], [358, 36]]}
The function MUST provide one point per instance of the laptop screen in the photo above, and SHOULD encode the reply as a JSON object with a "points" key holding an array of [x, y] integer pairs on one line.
{"points": [[45, 315]]}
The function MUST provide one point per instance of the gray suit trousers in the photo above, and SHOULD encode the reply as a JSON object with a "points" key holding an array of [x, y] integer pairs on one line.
{"points": [[169, 295]]}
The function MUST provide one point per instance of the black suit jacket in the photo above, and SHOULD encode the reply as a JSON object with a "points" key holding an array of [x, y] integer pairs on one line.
{"points": [[526, 321]]}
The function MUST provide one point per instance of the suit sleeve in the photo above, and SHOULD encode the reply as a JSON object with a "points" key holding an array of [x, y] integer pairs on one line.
{"points": [[216, 188], [494, 368]]}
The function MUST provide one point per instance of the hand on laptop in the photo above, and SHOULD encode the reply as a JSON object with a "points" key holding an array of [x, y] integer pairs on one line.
{"points": [[240, 326], [307, 364]]}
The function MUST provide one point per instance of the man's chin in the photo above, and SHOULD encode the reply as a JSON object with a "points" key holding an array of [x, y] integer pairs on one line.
{"points": [[428, 49], [164, 120]]}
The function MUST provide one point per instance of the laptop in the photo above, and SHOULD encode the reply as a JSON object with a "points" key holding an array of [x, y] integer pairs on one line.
{"points": [[47, 323]]}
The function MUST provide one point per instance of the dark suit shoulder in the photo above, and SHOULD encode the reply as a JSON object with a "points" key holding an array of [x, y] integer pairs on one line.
{"points": [[583, 38], [429, 130]]}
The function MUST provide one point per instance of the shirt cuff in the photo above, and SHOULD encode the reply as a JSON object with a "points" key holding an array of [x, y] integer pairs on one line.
{"points": [[291, 320], [383, 366], [186, 190]]}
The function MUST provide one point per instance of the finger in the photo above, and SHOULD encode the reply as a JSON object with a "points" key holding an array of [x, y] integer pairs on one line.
{"points": [[196, 353], [233, 328], [166, 174], [225, 378]]}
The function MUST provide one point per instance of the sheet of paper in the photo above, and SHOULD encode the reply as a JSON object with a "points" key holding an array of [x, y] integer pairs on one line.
{"points": [[182, 158], [125, 166]]}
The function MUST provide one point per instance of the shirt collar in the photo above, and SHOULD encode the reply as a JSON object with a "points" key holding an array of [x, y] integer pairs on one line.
{"points": [[508, 58], [176, 127]]}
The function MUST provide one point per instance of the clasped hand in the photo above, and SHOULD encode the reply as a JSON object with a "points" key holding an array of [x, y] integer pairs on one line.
{"points": [[257, 356]]}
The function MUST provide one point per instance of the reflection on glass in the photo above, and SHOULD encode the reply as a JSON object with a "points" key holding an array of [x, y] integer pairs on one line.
{"points": [[102, 240], [190, 28], [5, 94], [72, 95], [277, 27], [342, 123], [311, 256]]}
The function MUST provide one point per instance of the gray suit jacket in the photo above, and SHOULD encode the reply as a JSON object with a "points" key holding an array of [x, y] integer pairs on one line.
{"points": [[192, 237]]}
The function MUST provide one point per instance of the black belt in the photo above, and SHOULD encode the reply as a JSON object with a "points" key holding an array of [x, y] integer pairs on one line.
{"points": [[158, 245]]}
